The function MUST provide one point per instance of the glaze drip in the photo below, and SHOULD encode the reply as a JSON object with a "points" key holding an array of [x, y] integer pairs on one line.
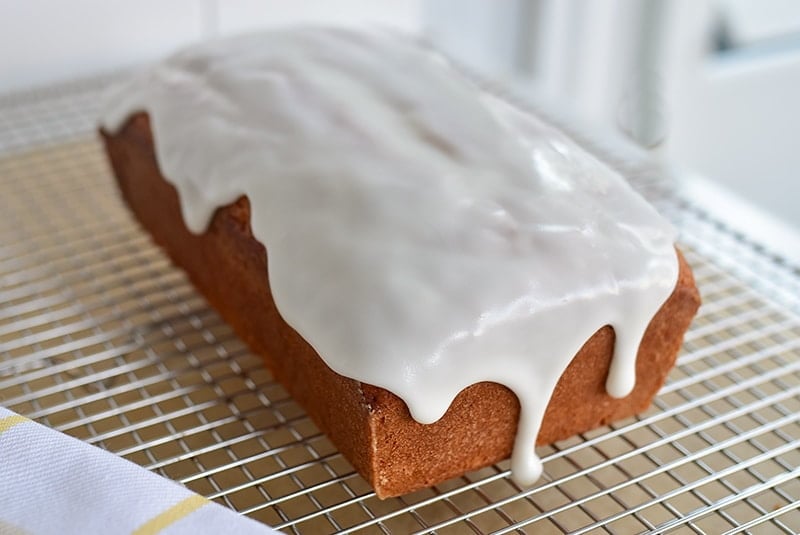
{"points": [[422, 235]]}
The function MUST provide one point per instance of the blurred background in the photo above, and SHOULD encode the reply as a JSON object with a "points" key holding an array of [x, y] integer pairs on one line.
{"points": [[710, 86]]}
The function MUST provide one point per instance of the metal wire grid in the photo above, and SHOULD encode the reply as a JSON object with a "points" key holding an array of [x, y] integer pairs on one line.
{"points": [[101, 338]]}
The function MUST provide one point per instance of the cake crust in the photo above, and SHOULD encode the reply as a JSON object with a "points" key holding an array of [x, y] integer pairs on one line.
{"points": [[371, 426]]}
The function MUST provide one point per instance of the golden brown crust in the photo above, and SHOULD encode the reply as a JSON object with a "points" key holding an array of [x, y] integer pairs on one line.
{"points": [[369, 425]]}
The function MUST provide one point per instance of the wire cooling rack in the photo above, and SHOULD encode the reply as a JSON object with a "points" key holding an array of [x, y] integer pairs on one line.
{"points": [[101, 338]]}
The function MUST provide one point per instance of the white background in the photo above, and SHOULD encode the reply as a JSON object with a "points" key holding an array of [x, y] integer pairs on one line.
{"points": [[43, 41]]}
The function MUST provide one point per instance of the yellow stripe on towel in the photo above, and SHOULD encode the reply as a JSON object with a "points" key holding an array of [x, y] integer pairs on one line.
{"points": [[10, 421], [170, 516]]}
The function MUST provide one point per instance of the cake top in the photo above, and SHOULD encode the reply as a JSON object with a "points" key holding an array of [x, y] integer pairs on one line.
{"points": [[422, 235]]}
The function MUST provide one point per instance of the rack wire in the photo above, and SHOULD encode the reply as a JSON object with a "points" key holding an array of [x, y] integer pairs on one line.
{"points": [[101, 338]]}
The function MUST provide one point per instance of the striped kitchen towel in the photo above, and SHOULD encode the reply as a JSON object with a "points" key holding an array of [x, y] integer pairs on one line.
{"points": [[54, 484]]}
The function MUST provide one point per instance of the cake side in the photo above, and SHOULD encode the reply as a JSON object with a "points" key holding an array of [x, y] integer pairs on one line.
{"points": [[369, 425]]}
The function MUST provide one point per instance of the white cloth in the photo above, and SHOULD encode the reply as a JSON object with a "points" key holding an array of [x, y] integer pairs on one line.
{"points": [[51, 483]]}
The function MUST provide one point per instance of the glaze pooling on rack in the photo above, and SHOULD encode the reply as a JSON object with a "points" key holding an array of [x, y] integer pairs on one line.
{"points": [[422, 235]]}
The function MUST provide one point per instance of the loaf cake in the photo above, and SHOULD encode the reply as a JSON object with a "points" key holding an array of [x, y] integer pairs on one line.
{"points": [[201, 112]]}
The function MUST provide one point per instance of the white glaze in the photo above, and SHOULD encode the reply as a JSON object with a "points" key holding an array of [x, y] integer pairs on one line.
{"points": [[422, 235]]}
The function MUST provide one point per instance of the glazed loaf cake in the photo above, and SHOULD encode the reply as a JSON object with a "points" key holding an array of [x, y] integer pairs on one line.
{"points": [[372, 426]]}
